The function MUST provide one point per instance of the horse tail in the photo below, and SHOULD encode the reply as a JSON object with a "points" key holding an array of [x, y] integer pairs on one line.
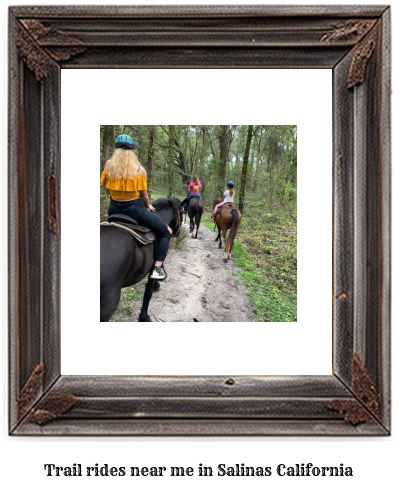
{"points": [[197, 217], [234, 225]]}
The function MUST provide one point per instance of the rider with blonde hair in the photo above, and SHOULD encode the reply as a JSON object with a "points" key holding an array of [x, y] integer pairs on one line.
{"points": [[126, 182]]}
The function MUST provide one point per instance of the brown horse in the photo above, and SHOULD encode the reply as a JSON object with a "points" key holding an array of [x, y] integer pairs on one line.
{"points": [[228, 217], [215, 202]]}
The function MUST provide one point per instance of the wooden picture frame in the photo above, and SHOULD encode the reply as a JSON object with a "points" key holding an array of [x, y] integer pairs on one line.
{"points": [[353, 41]]}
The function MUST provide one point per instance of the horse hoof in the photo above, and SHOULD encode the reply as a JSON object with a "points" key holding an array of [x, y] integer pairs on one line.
{"points": [[225, 260], [157, 286], [147, 319]]}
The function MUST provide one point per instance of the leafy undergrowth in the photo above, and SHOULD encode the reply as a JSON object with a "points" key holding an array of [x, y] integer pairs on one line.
{"points": [[130, 297], [266, 250]]}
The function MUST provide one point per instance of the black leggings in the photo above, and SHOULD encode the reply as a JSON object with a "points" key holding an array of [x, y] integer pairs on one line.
{"points": [[138, 211]]}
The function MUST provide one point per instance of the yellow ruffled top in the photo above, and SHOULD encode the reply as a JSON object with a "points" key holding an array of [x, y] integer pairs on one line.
{"points": [[124, 189]]}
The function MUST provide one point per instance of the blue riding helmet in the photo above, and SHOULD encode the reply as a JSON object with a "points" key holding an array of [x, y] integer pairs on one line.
{"points": [[230, 184], [124, 142]]}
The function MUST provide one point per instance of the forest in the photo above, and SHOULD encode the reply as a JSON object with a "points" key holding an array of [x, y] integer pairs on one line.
{"points": [[262, 162]]}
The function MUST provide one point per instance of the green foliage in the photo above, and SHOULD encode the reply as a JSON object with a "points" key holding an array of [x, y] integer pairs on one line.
{"points": [[178, 240], [104, 201], [266, 251], [130, 297], [272, 296]]}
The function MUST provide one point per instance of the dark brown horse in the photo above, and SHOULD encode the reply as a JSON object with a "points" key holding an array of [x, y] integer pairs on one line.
{"points": [[215, 202], [195, 208], [124, 261], [228, 217]]}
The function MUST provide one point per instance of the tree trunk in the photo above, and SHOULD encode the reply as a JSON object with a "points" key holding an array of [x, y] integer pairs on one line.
{"points": [[170, 162], [139, 143], [244, 169], [224, 152], [108, 144], [225, 139], [193, 155], [117, 130], [203, 147], [181, 161], [150, 159]]}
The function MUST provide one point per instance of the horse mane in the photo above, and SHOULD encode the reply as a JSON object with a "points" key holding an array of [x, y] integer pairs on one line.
{"points": [[176, 200], [216, 201]]}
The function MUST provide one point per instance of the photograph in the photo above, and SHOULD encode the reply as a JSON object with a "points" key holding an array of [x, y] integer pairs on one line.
{"points": [[232, 188]]}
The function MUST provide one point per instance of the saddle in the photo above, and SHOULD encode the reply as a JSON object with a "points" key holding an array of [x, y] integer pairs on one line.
{"points": [[196, 197], [225, 205], [139, 232]]}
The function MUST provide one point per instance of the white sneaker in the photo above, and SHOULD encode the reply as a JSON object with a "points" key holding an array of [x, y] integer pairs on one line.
{"points": [[158, 273]]}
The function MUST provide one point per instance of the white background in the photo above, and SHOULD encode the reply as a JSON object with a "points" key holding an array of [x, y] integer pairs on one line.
{"points": [[276, 97], [374, 460]]}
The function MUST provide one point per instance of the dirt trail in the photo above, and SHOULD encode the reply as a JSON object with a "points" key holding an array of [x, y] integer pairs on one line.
{"points": [[199, 284]]}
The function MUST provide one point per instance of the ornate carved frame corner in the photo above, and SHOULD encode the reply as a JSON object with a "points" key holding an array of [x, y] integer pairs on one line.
{"points": [[352, 41]]}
